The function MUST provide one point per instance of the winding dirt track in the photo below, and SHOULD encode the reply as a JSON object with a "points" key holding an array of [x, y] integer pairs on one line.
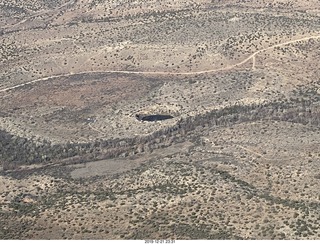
{"points": [[252, 56]]}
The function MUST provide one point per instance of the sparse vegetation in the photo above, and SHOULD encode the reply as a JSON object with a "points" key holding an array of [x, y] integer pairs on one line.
{"points": [[238, 158]]}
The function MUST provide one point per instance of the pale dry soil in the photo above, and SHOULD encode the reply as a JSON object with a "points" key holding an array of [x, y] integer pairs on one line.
{"points": [[79, 71]]}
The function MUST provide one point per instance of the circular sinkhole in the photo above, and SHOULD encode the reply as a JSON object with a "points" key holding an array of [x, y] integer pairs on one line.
{"points": [[153, 117]]}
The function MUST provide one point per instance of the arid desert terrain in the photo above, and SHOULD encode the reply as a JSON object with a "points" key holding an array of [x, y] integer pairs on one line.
{"points": [[159, 119]]}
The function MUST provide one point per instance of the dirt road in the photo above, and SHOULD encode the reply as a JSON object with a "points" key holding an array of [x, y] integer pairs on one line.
{"points": [[252, 56]]}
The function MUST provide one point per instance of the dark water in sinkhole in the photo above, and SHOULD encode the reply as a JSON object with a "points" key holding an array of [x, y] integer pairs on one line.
{"points": [[153, 117]]}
